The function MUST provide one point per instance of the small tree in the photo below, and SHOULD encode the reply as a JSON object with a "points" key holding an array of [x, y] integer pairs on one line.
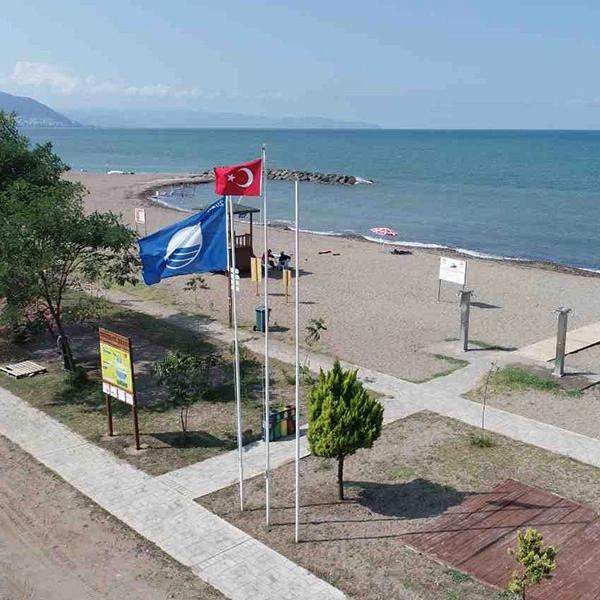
{"points": [[537, 562], [185, 376], [342, 417], [194, 284], [313, 331]]}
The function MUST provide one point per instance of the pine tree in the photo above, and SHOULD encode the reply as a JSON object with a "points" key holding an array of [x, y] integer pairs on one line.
{"points": [[537, 561], [342, 417]]}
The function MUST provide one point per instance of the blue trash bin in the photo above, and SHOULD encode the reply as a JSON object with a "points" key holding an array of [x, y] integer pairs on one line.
{"points": [[260, 318]]}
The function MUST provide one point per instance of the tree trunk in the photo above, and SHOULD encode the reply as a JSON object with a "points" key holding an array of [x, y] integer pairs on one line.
{"points": [[341, 477], [183, 418], [66, 345]]}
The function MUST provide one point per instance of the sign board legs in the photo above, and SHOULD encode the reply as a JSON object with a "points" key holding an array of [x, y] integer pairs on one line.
{"points": [[109, 414], [136, 427]]}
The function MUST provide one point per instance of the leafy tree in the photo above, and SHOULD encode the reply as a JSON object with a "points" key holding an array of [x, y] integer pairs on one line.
{"points": [[185, 376], [342, 417], [537, 562], [48, 244], [19, 163]]}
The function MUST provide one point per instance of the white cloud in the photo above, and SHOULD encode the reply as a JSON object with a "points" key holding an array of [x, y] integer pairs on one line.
{"points": [[34, 74], [60, 81]]}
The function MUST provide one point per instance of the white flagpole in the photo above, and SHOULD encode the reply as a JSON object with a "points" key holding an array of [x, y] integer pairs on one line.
{"points": [[266, 323], [238, 396], [297, 324]]}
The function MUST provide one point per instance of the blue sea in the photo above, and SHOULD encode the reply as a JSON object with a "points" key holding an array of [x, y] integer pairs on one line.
{"points": [[513, 194]]}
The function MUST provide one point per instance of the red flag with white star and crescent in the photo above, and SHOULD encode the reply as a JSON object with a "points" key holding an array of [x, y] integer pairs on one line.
{"points": [[239, 180]]}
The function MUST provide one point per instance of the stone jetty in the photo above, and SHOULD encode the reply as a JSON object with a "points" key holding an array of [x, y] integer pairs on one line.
{"points": [[292, 175]]}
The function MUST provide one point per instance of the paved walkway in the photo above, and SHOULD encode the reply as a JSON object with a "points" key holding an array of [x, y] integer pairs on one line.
{"points": [[220, 554], [162, 510], [577, 339], [401, 398]]}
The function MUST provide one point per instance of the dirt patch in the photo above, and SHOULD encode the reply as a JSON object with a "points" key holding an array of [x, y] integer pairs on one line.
{"points": [[420, 467], [574, 411], [57, 544]]}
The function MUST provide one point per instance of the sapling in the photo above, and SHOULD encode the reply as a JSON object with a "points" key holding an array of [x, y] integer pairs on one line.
{"points": [[537, 562]]}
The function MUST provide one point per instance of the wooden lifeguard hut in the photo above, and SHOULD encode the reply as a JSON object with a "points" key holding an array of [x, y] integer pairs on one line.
{"points": [[243, 241]]}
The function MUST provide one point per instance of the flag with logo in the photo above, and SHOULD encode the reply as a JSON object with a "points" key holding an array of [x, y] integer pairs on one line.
{"points": [[197, 244], [239, 180]]}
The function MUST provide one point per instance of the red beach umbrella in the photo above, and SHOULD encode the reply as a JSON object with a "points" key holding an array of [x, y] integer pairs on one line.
{"points": [[384, 231]]}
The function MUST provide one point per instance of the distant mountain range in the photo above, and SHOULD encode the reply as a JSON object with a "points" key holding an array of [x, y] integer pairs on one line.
{"points": [[197, 118], [31, 113]]}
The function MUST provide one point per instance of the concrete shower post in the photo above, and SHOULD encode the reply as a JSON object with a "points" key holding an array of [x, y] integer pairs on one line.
{"points": [[561, 341], [465, 310]]}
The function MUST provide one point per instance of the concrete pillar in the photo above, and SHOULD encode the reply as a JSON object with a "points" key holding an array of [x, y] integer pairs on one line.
{"points": [[465, 309], [561, 341]]}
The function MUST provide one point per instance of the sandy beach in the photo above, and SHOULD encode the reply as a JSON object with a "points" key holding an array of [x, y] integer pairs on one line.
{"points": [[380, 309]]}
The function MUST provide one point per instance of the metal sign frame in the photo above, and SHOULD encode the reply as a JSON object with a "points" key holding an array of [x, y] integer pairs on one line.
{"points": [[139, 217], [444, 259], [113, 389]]}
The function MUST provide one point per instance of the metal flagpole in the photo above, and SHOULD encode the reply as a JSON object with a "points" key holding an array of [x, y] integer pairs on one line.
{"points": [[297, 319], [236, 346], [266, 325]]}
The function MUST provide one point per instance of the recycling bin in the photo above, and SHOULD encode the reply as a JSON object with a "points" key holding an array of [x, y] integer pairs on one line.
{"points": [[291, 419], [283, 423], [272, 426], [260, 318]]}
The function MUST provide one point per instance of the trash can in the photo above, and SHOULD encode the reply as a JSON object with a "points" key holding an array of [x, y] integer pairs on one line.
{"points": [[283, 424], [291, 419], [260, 318], [272, 427]]}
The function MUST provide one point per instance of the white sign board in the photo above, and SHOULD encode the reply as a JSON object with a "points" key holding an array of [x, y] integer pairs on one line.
{"points": [[140, 215], [453, 270], [118, 393]]}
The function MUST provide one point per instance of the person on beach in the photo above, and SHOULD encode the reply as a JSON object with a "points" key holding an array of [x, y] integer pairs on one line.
{"points": [[270, 258], [284, 260]]}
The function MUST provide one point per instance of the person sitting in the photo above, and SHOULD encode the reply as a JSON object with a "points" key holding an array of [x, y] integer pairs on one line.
{"points": [[270, 258], [284, 260]]}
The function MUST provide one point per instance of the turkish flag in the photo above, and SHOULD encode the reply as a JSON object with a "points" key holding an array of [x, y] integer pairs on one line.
{"points": [[239, 180]]}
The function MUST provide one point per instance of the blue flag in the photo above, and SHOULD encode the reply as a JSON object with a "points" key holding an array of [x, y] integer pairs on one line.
{"points": [[197, 244]]}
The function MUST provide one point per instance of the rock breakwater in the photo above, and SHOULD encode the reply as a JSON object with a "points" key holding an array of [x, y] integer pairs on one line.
{"points": [[310, 176]]}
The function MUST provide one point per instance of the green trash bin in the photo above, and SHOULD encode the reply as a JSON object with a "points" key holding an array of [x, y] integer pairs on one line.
{"points": [[260, 318]]}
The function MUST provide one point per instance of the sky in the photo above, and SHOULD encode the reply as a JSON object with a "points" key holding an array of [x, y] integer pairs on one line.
{"points": [[405, 64]]}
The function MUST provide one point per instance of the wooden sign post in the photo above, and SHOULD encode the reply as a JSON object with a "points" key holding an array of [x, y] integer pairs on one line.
{"points": [[256, 272], [287, 282], [118, 379]]}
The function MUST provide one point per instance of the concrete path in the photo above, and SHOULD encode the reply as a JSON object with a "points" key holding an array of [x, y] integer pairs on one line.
{"points": [[401, 398], [220, 554], [162, 510], [577, 339]]}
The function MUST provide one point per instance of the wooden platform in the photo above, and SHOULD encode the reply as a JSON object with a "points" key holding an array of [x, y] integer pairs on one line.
{"points": [[577, 339], [475, 537], [26, 368]]}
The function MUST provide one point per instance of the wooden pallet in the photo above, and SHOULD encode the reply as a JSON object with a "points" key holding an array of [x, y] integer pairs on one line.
{"points": [[26, 368]]}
